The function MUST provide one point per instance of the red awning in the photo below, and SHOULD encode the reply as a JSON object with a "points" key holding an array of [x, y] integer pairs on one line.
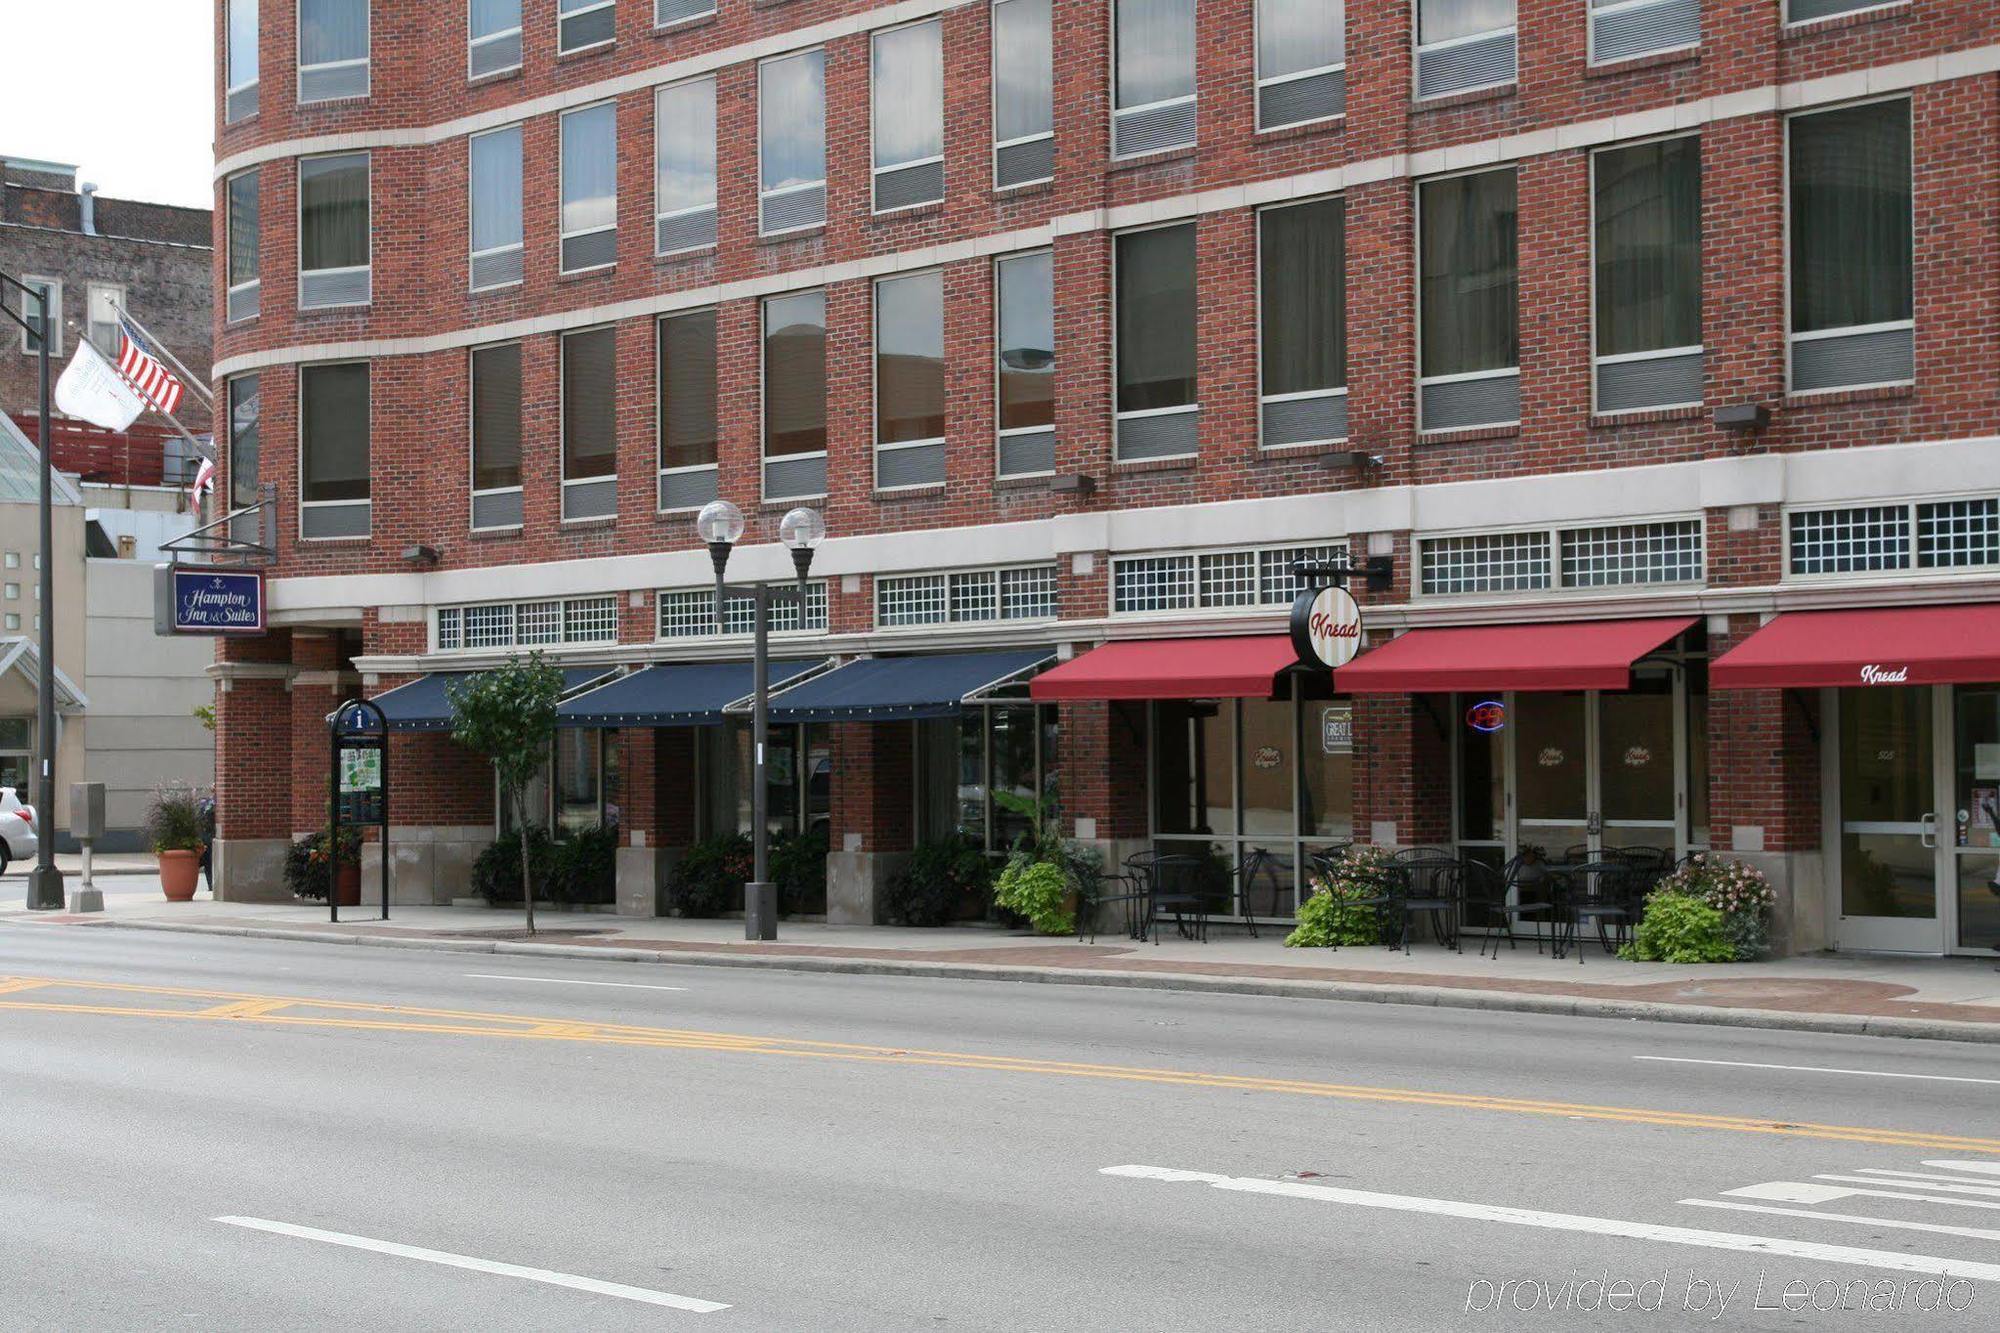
{"points": [[1564, 655], [1908, 645], [1242, 668]]}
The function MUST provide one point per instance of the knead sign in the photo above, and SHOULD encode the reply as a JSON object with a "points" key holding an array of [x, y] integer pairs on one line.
{"points": [[1326, 627]]}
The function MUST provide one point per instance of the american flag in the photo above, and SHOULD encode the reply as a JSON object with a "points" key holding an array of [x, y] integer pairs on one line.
{"points": [[153, 380]]}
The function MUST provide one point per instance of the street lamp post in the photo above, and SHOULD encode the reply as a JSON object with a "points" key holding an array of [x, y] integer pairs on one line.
{"points": [[45, 882], [720, 524]]}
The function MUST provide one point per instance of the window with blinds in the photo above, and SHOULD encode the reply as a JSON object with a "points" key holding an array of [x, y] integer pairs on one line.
{"points": [[496, 436], [689, 434], [589, 423]]}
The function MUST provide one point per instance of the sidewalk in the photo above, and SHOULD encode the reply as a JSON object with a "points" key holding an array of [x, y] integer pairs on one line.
{"points": [[1950, 998]]}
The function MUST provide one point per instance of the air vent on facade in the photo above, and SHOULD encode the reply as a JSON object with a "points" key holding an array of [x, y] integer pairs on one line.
{"points": [[1295, 101], [687, 490], [1477, 62], [495, 54], [794, 478], [1028, 454], [1153, 129], [1023, 163], [686, 231], [1460, 404], [1166, 436], [906, 187], [244, 301], [497, 509], [1881, 356], [591, 250], [919, 465], [499, 269], [576, 31], [1306, 420], [326, 83], [1621, 31], [334, 287], [334, 520], [240, 105], [1661, 381], [794, 209], [596, 498]]}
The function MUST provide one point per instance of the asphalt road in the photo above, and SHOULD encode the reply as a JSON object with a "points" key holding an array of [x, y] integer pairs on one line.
{"points": [[411, 1139]]}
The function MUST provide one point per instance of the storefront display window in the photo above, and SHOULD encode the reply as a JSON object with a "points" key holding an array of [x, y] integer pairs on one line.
{"points": [[962, 762], [16, 746], [798, 773], [1976, 764]]}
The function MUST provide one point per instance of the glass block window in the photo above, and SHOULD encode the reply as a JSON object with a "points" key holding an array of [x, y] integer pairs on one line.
{"points": [[591, 620], [1632, 553], [690, 613], [1212, 580], [1028, 594], [1275, 584], [1153, 583], [450, 635], [1850, 541], [538, 623], [919, 600], [528, 624], [975, 596], [1486, 562], [1955, 534], [489, 626], [1229, 578]]}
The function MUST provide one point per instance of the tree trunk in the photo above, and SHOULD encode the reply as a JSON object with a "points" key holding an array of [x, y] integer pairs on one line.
{"points": [[527, 879]]}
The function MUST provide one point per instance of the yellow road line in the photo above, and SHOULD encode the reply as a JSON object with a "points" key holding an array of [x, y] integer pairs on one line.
{"points": [[351, 1015]]}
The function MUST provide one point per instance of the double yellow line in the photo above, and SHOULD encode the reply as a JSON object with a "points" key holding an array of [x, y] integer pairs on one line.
{"points": [[309, 1012]]}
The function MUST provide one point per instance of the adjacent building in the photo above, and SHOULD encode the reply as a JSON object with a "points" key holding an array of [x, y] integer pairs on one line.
{"points": [[1652, 348]]}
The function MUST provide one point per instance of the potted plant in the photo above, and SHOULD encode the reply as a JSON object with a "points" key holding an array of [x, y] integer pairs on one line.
{"points": [[307, 864], [174, 827]]}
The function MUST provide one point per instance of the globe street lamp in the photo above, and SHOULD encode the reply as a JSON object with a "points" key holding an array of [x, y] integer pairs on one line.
{"points": [[720, 524]]}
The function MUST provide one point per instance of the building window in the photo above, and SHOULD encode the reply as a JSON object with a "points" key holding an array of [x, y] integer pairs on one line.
{"points": [[791, 142], [244, 193], [795, 396], [49, 289], [333, 50], [1624, 29], [909, 381], [102, 303], [689, 613], [245, 443], [1024, 117], [1212, 580], [966, 597], [334, 231], [1851, 262], [684, 166], [333, 447], [1025, 301], [493, 37], [1158, 410], [906, 100], [583, 24], [1470, 345], [1809, 11], [1463, 45], [1487, 562], [590, 424], [239, 100], [963, 762], [668, 12], [494, 202], [1872, 539], [496, 436], [1646, 218], [690, 437], [1614, 556], [490, 625], [1153, 89], [1631, 553], [1302, 308], [590, 187], [1301, 61]]}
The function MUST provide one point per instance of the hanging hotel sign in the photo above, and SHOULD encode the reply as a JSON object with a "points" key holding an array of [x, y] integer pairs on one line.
{"points": [[1326, 627], [189, 599]]}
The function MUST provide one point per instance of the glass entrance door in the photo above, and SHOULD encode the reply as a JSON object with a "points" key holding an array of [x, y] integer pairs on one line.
{"points": [[1974, 855], [1888, 827], [1639, 777], [1552, 772]]}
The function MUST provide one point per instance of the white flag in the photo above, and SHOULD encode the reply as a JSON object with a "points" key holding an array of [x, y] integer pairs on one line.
{"points": [[92, 388]]}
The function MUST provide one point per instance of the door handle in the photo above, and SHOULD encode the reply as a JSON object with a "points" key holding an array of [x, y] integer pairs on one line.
{"points": [[1927, 829], [1593, 824]]}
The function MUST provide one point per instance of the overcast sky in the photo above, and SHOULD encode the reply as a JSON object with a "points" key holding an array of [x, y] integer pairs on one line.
{"points": [[128, 98]]}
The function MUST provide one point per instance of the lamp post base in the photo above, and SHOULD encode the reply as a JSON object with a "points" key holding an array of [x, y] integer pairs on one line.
{"points": [[760, 911], [45, 889]]}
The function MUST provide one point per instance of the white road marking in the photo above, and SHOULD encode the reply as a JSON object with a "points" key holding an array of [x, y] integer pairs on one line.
{"points": [[1595, 1226], [590, 1284], [1981, 1168], [1799, 1191], [1965, 1186], [1816, 1069], [1984, 1191], [566, 981], [1943, 1229]]}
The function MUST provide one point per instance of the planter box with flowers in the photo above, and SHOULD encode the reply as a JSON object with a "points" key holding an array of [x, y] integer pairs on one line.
{"points": [[1706, 911]]}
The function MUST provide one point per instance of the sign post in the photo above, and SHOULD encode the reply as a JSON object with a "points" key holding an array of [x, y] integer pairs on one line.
{"points": [[359, 788]]}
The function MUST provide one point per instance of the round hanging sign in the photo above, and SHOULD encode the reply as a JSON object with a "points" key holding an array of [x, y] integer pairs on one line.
{"points": [[1326, 627]]}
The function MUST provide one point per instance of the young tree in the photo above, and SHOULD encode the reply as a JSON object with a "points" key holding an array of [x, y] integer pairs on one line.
{"points": [[508, 715]]}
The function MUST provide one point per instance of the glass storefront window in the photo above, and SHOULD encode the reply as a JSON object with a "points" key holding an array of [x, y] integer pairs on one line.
{"points": [[1193, 790], [725, 764], [17, 740], [963, 761], [1635, 741], [1326, 770], [1697, 747], [1482, 777], [1267, 763], [1886, 785], [1976, 808], [1012, 732], [577, 792]]}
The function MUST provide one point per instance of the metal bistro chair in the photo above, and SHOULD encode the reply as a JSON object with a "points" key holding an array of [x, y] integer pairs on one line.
{"points": [[1512, 897], [1096, 892], [1260, 866], [1139, 868], [1434, 881], [1598, 892], [1648, 866], [1177, 886]]}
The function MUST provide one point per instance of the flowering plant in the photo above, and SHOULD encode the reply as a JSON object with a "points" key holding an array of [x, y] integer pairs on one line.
{"points": [[1738, 891], [1334, 915]]}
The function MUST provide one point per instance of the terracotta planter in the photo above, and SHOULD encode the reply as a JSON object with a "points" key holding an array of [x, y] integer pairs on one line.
{"points": [[178, 871], [347, 884]]}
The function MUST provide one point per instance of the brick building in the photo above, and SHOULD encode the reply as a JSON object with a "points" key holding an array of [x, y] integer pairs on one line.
{"points": [[1650, 344]]}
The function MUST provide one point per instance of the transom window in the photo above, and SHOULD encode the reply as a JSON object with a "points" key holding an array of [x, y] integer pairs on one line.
{"points": [[539, 624], [1868, 539], [966, 596], [1535, 560], [689, 613], [1212, 580]]}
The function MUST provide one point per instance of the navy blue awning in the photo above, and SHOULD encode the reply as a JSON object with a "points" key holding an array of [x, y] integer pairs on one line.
{"points": [[421, 704], [891, 689], [688, 694]]}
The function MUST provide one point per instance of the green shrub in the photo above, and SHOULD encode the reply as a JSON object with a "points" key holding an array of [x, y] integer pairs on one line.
{"points": [[583, 868], [307, 867], [1333, 914], [709, 880], [1036, 890], [1738, 891], [1680, 928], [939, 883], [496, 872], [174, 819], [798, 868]]}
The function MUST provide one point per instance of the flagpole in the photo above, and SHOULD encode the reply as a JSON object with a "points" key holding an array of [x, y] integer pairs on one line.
{"points": [[187, 376], [207, 451]]}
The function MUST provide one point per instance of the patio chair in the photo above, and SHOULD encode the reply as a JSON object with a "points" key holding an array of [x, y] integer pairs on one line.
{"points": [[1177, 884], [1263, 880], [1096, 892], [1598, 892], [1512, 896], [1433, 880], [1648, 866]]}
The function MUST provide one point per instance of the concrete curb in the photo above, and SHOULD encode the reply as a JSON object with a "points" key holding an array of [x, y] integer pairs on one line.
{"points": [[1435, 997]]}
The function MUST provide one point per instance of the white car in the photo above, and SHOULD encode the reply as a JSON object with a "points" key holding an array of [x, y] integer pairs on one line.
{"points": [[17, 829]]}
